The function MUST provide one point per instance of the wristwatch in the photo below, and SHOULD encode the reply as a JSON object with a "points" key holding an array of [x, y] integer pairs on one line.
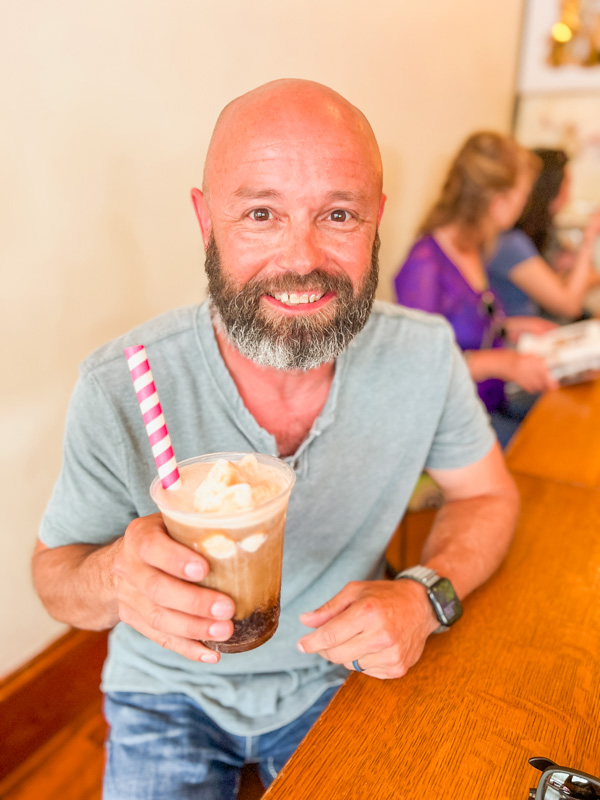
{"points": [[444, 600]]}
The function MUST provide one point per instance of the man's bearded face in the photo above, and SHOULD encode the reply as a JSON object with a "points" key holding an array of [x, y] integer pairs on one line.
{"points": [[291, 342]]}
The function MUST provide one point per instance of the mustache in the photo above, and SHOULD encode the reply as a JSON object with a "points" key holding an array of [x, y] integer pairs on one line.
{"points": [[317, 280]]}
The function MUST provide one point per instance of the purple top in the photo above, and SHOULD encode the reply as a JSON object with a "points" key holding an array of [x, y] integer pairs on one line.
{"points": [[430, 281]]}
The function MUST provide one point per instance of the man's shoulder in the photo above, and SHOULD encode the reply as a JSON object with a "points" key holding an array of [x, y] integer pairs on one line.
{"points": [[398, 335], [393, 320], [155, 334]]}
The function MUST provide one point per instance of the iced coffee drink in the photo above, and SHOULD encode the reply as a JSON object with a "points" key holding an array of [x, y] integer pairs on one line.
{"points": [[231, 509]]}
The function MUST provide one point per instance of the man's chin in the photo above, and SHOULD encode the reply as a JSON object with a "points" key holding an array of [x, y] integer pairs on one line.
{"points": [[276, 315]]}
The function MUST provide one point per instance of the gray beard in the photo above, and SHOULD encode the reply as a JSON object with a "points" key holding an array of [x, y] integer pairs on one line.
{"points": [[290, 343]]}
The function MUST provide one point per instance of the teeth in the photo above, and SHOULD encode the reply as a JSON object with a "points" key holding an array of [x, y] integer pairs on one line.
{"points": [[295, 299]]}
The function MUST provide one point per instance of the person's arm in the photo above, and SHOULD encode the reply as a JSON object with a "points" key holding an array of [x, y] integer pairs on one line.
{"points": [[516, 326], [385, 624], [474, 527], [144, 579], [530, 372], [556, 294]]}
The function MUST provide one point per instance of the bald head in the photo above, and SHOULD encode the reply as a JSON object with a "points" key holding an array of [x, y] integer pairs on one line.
{"points": [[289, 213], [284, 113]]}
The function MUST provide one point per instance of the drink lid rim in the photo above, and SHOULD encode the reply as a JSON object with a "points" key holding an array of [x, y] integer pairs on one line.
{"points": [[211, 516]]}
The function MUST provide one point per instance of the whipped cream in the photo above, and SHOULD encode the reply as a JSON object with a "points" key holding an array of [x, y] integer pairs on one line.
{"points": [[232, 487]]}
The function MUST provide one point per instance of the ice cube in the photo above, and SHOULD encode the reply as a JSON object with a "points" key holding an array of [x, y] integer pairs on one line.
{"points": [[251, 543], [248, 466], [263, 492], [218, 546]]}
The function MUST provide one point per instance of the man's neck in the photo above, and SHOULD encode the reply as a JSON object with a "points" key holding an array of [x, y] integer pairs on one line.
{"points": [[284, 402]]}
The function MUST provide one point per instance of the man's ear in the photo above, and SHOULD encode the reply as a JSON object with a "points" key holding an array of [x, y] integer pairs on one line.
{"points": [[203, 215], [381, 207]]}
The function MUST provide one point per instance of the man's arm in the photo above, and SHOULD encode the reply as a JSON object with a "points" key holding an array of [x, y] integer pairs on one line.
{"points": [[76, 584], [385, 624], [474, 527], [144, 579]]}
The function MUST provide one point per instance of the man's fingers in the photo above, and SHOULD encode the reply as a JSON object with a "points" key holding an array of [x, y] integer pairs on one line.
{"points": [[375, 671], [178, 623], [333, 634], [371, 647], [152, 543], [332, 607], [188, 648], [169, 592]]}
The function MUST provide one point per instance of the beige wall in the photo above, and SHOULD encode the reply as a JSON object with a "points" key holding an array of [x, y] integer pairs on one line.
{"points": [[107, 109]]}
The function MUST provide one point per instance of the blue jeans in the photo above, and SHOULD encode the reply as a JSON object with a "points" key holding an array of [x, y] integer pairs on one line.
{"points": [[509, 416], [164, 747]]}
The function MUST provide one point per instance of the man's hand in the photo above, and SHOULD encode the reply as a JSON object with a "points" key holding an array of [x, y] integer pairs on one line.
{"points": [[156, 592], [144, 579], [382, 624]]}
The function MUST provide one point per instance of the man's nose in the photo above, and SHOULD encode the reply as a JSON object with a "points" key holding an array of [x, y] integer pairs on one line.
{"points": [[301, 251]]}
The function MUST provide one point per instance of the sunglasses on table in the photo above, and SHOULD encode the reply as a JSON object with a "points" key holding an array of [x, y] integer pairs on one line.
{"points": [[561, 783]]}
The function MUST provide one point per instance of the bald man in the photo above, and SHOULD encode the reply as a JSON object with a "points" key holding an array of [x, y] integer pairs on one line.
{"points": [[290, 356]]}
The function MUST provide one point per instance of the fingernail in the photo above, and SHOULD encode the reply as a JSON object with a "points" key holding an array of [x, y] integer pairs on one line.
{"points": [[219, 629], [210, 658], [194, 570], [299, 646], [222, 608]]}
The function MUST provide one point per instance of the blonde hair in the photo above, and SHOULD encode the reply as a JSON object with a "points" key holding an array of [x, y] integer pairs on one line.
{"points": [[486, 164]]}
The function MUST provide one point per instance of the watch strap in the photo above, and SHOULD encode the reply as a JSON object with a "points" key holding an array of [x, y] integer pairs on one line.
{"points": [[426, 577], [421, 574]]}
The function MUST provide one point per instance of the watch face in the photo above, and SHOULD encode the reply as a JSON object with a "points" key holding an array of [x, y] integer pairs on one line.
{"points": [[446, 602]]}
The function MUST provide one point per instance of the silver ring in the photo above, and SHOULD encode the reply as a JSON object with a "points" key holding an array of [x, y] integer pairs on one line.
{"points": [[357, 666]]}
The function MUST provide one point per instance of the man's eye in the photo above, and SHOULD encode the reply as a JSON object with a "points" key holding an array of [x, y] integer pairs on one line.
{"points": [[260, 214], [339, 215]]}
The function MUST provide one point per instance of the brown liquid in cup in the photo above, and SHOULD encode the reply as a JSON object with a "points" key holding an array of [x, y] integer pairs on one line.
{"points": [[245, 559]]}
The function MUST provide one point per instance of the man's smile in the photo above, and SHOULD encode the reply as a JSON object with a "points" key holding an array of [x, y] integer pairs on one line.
{"points": [[313, 299]]}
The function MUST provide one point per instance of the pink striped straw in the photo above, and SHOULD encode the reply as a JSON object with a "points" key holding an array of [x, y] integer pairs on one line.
{"points": [[154, 420]]}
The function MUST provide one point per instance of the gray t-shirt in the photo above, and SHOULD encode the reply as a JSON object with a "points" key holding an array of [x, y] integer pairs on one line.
{"points": [[401, 400]]}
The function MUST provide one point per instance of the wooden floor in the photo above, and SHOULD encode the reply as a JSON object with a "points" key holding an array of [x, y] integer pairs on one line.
{"points": [[69, 766]]}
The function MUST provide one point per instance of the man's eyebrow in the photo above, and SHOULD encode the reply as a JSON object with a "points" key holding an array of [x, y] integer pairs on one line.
{"points": [[246, 192], [250, 193], [346, 196]]}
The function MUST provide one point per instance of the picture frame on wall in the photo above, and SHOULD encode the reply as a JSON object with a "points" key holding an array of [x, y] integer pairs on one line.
{"points": [[558, 107], [548, 26]]}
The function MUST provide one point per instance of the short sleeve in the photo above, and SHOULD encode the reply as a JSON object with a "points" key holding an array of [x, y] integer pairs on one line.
{"points": [[464, 434], [514, 247], [90, 502]]}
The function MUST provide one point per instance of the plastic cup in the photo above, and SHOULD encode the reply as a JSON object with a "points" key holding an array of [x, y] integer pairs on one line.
{"points": [[243, 548]]}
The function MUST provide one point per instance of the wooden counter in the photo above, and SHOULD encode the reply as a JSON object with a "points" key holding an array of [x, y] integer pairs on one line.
{"points": [[519, 676], [560, 438]]}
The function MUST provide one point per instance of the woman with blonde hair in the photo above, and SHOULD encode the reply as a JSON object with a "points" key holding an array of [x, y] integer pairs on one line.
{"points": [[484, 193]]}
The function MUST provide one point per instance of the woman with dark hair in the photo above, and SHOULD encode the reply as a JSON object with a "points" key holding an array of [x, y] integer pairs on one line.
{"points": [[518, 271], [484, 193]]}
